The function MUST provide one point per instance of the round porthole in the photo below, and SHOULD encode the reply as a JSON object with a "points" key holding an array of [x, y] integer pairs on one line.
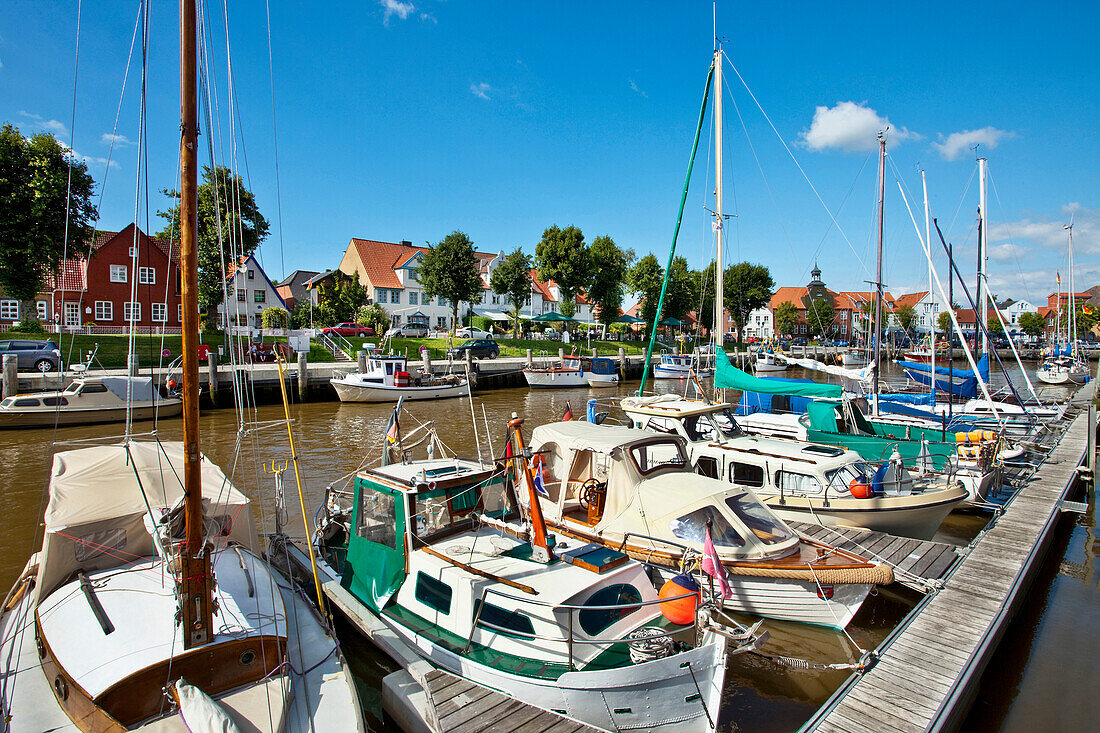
{"points": [[61, 687], [248, 656]]}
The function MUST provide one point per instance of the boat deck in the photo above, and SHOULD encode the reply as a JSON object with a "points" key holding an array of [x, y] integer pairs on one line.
{"points": [[464, 707], [927, 671]]}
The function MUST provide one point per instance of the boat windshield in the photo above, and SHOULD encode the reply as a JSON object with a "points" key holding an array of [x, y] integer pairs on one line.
{"points": [[692, 527], [758, 519], [725, 422], [654, 455], [840, 478]]}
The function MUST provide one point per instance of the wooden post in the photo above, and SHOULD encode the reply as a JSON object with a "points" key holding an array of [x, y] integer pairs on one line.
{"points": [[469, 361], [561, 353], [530, 361], [212, 376], [595, 353], [11, 375], [361, 357], [427, 361], [303, 376], [132, 365], [622, 358]]}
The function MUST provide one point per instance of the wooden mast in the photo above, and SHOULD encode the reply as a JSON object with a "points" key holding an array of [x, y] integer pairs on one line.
{"points": [[193, 585], [540, 547]]}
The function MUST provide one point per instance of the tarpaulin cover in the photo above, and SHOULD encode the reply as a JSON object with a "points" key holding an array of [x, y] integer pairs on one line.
{"points": [[983, 368], [730, 377]]}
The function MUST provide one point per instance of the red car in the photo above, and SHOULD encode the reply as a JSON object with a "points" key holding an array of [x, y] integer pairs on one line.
{"points": [[349, 330]]}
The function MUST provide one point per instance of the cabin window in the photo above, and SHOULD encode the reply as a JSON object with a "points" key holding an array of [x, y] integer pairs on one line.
{"points": [[757, 518], [840, 478], [433, 593], [377, 518], [442, 511], [693, 528], [27, 402], [595, 620], [389, 368], [54, 401], [650, 457], [797, 483], [746, 474], [707, 466], [93, 388], [103, 542], [502, 618]]}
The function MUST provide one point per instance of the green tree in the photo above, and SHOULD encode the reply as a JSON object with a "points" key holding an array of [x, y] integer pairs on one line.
{"points": [[705, 283], [1032, 324], [512, 279], [819, 316], [943, 322], [562, 256], [450, 269], [906, 315], [609, 264], [275, 317], [35, 191], [785, 316], [374, 316], [1086, 319], [339, 298], [302, 313], [747, 287], [222, 197], [682, 297], [993, 324], [644, 279]]}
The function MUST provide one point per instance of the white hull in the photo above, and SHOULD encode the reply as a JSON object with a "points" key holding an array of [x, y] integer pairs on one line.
{"points": [[659, 694], [360, 392], [15, 417], [557, 379], [854, 360], [1062, 376], [603, 380], [660, 372], [773, 426], [918, 519], [769, 364]]}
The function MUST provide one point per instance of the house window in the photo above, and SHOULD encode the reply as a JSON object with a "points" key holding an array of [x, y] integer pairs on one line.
{"points": [[395, 296], [259, 296], [72, 314], [251, 274], [412, 297], [241, 292], [496, 300], [104, 310], [43, 310], [131, 311], [441, 322], [444, 302], [132, 252], [160, 312], [844, 315], [9, 309], [380, 295], [118, 273], [147, 276], [397, 320]]}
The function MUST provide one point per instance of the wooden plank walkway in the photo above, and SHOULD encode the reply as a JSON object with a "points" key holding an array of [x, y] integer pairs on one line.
{"points": [[464, 707], [929, 668], [914, 561]]}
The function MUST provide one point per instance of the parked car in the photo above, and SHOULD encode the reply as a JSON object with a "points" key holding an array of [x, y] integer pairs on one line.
{"points": [[478, 348], [348, 330], [799, 341], [469, 332], [840, 342], [43, 356], [411, 330]]}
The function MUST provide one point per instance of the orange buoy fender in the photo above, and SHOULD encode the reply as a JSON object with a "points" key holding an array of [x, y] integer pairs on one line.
{"points": [[860, 488], [681, 610]]}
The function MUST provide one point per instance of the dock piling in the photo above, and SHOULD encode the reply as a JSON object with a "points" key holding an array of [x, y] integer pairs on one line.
{"points": [[212, 376], [132, 365], [361, 358], [303, 375], [11, 375]]}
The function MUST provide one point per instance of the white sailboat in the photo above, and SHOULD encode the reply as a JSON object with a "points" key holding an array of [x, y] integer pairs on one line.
{"points": [[1066, 365]]}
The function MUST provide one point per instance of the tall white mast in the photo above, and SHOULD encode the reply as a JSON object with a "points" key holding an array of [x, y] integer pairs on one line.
{"points": [[719, 274], [1071, 316], [878, 273], [983, 286], [931, 297]]}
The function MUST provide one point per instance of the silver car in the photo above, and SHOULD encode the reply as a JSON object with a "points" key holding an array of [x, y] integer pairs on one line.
{"points": [[43, 356]]}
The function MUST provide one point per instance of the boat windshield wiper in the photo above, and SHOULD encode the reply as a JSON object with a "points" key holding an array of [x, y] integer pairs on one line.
{"points": [[93, 601]]}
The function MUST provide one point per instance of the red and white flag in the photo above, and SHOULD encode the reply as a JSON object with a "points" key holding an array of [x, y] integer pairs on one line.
{"points": [[712, 566]]}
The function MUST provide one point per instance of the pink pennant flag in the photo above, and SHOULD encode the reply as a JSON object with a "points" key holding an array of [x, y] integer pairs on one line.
{"points": [[712, 566]]}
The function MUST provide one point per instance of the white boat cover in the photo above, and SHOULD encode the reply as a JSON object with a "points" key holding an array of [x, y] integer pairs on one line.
{"points": [[860, 375], [580, 435], [200, 713], [97, 507], [143, 390]]}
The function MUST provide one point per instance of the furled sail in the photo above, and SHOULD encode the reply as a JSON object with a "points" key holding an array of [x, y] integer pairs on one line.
{"points": [[730, 377]]}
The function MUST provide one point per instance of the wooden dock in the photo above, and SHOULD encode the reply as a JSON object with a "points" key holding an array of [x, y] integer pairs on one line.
{"points": [[928, 669], [917, 563], [463, 707]]}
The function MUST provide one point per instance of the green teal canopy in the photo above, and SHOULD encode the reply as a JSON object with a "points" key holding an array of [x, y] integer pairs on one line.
{"points": [[730, 377], [670, 321], [627, 318], [552, 316]]}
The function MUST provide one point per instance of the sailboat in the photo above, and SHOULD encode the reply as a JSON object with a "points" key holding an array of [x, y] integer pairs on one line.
{"points": [[116, 623], [1065, 364]]}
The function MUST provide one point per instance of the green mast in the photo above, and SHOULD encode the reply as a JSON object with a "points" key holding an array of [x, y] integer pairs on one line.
{"points": [[675, 234]]}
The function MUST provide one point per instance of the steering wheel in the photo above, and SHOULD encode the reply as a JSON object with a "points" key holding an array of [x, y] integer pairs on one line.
{"points": [[590, 489]]}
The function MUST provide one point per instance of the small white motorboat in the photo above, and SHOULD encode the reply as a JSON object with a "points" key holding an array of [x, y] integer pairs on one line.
{"points": [[766, 361], [387, 379], [574, 371], [678, 366], [89, 400]]}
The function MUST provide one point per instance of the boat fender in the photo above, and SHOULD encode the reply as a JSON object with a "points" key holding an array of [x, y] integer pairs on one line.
{"points": [[680, 611], [860, 488], [879, 478]]}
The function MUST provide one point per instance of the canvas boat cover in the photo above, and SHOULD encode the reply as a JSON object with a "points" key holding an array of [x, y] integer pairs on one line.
{"points": [[142, 388], [580, 435], [857, 375], [983, 369], [730, 377]]}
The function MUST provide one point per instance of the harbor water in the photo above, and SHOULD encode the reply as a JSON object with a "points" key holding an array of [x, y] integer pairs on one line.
{"points": [[1039, 679]]}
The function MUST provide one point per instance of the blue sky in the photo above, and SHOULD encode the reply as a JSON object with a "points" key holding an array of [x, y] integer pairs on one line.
{"points": [[407, 120]]}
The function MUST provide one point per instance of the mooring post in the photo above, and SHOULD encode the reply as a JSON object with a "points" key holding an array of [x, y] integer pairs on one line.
{"points": [[361, 357], [132, 364], [212, 376], [561, 353], [427, 358], [303, 375], [622, 358], [11, 375], [530, 361], [595, 353]]}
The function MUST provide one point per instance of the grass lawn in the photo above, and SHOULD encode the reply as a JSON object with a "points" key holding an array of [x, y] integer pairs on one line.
{"points": [[437, 347]]}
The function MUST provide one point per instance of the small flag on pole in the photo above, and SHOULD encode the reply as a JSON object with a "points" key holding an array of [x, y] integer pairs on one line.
{"points": [[712, 566], [393, 429], [568, 414], [539, 487], [1058, 277]]}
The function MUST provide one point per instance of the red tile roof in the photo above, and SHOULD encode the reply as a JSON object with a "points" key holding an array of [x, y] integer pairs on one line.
{"points": [[380, 259], [966, 315], [70, 276], [793, 295], [911, 299], [542, 287]]}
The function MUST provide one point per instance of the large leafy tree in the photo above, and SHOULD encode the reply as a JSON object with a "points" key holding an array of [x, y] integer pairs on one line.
{"points": [[562, 256], [644, 279], [35, 191], [906, 315], [609, 264], [785, 316], [1032, 324], [747, 287], [1086, 318], [819, 315], [450, 269], [943, 322], [339, 298], [512, 279], [993, 325], [682, 296], [222, 197], [705, 283]]}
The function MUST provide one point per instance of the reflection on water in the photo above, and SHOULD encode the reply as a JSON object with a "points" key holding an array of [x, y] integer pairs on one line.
{"points": [[336, 439]]}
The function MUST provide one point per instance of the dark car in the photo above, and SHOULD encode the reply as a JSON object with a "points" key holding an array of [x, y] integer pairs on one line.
{"points": [[348, 330], [43, 356], [799, 341], [478, 349]]}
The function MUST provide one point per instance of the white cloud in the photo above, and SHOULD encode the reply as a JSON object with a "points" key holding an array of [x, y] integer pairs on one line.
{"points": [[119, 140], [428, 18], [849, 127], [955, 144], [481, 90], [634, 87], [54, 126], [391, 8], [1006, 252], [1051, 232]]}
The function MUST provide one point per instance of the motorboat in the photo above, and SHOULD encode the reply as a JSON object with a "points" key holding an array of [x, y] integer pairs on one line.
{"points": [[387, 379], [574, 371], [679, 366], [800, 481], [432, 548], [89, 400], [766, 361], [635, 491], [855, 358]]}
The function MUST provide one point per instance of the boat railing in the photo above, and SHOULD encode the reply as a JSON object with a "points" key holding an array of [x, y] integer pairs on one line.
{"points": [[571, 639]]}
